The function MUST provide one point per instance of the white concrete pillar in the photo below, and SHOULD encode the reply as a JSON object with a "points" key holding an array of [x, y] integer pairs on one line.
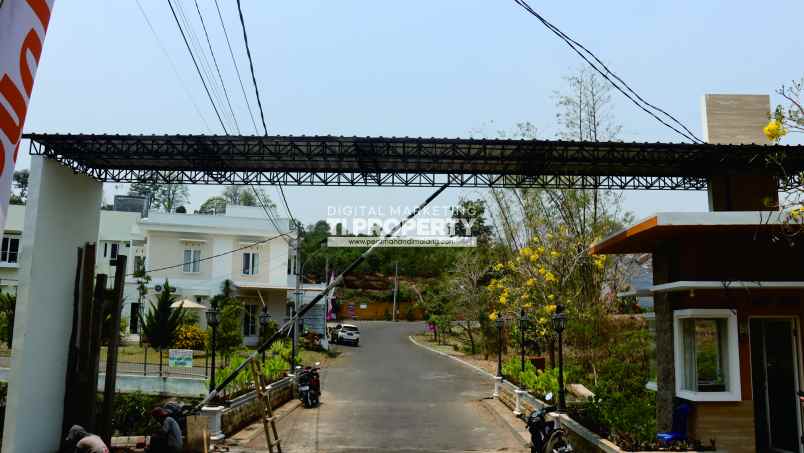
{"points": [[518, 406], [63, 212], [497, 383], [214, 415]]}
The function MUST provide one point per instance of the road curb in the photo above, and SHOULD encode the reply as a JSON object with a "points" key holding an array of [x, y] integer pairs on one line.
{"points": [[463, 362]]}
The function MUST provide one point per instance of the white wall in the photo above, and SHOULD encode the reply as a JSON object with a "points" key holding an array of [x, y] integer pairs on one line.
{"points": [[62, 214]]}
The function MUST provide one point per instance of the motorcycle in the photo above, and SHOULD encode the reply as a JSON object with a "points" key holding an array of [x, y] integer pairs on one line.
{"points": [[546, 436], [309, 385]]}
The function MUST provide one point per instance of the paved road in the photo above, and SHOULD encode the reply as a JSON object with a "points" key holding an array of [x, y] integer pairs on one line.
{"points": [[390, 395]]}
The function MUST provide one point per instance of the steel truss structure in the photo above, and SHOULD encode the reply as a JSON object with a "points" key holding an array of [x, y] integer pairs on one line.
{"points": [[418, 162]]}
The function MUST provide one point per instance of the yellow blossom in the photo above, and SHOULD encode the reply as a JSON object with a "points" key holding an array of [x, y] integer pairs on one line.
{"points": [[775, 130], [549, 277], [493, 316], [503, 300], [555, 254], [551, 296], [498, 267], [527, 305], [531, 282], [542, 270], [525, 251], [534, 258], [540, 249], [551, 308]]}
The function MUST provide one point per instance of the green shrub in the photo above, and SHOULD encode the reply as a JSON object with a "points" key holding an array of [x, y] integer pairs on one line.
{"points": [[537, 382], [277, 360], [190, 337], [387, 315], [621, 402]]}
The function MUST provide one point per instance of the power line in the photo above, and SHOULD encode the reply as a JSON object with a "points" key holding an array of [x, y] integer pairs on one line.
{"points": [[237, 69], [605, 72], [173, 66], [204, 63], [197, 69], [217, 68], [251, 66]]}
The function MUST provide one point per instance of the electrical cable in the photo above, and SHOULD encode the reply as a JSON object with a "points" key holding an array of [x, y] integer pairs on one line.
{"points": [[217, 68], [197, 69], [605, 72], [173, 66], [237, 69], [251, 66], [204, 63]]}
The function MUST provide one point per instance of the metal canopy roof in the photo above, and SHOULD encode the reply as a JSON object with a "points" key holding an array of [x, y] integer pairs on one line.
{"points": [[378, 161]]}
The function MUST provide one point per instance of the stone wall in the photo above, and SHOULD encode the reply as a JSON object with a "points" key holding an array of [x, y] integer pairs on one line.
{"points": [[246, 409]]}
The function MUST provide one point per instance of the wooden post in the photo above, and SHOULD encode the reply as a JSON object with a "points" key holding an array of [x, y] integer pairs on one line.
{"points": [[79, 382], [94, 345], [115, 306], [73, 348]]}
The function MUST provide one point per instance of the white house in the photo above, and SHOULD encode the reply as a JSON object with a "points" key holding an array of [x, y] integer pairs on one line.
{"points": [[196, 254]]}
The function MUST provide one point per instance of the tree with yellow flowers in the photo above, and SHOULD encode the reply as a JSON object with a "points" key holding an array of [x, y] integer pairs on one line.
{"points": [[787, 118]]}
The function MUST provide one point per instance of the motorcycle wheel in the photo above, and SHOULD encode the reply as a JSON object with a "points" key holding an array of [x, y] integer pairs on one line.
{"points": [[557, 443]]}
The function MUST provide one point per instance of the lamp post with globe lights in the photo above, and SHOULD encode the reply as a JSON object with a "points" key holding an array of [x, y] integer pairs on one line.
{"points": [[213, 320], [559, 320]]}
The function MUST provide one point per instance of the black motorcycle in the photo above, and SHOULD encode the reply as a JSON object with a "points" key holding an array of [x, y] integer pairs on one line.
{"points": [[546, 436], [309, 385]]}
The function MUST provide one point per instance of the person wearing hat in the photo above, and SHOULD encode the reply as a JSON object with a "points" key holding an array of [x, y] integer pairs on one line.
{"points": [[168, 439], [84, 442]]}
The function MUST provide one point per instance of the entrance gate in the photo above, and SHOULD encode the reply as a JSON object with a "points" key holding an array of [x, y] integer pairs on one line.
{"points": [[67, 172]]}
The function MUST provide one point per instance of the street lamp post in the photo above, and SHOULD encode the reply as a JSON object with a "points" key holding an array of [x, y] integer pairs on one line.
{"points": [[213, 320], [264, 318], [500, 322], [559, 320], [523, 324]]}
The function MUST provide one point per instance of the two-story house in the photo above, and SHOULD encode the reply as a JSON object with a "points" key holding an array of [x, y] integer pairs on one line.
{"points": [[197, 253]]}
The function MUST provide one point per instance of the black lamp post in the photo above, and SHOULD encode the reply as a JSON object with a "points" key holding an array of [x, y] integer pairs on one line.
{"points": [[264, 318], [500, 323], [523, 324], [213, 320], [559, 320]]}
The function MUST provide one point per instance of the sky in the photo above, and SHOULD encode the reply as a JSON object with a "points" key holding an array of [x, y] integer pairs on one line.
{"points": [[443, 68]]}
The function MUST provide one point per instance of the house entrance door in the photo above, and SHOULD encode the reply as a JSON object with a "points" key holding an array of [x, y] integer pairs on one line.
{"points": [[774, 372]]}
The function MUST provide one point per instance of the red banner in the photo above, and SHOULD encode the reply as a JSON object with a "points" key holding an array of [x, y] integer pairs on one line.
{"points": [[23, 24]]}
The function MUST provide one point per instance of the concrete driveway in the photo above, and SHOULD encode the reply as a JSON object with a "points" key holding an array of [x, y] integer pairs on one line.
{"points": [[390, 395]]}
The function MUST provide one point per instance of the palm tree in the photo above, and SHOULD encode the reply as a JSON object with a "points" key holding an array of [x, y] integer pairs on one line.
{"points": [[161, 323]]}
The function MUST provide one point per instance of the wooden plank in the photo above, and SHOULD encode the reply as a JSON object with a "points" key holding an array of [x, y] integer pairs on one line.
{"points": [[115, 307], [94, 346]]}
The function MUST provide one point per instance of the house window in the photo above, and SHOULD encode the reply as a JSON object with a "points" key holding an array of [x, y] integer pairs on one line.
{"points": [[191, 261], [115, 248], [250, 321], [251, 263], [706, 355], [9, 253]]}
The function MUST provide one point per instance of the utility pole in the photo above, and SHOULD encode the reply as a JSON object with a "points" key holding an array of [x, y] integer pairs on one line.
{"points": [[396, 287], [297, 300]]}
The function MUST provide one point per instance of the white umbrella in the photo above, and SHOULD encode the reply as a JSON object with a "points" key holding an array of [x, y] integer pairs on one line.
{"points": [[187, 303]]}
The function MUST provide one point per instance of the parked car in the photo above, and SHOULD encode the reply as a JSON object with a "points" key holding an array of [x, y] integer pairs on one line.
{"points": [[346, 334]]}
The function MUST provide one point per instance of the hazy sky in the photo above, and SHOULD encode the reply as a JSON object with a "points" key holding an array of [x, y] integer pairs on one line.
{"points": [[413, 68]]}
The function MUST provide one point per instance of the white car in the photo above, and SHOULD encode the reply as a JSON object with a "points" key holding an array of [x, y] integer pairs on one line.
{"points": [[346, 333]]}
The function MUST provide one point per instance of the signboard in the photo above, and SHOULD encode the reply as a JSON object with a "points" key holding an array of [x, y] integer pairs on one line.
{"points": [[180, 358], [23, 24]]}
